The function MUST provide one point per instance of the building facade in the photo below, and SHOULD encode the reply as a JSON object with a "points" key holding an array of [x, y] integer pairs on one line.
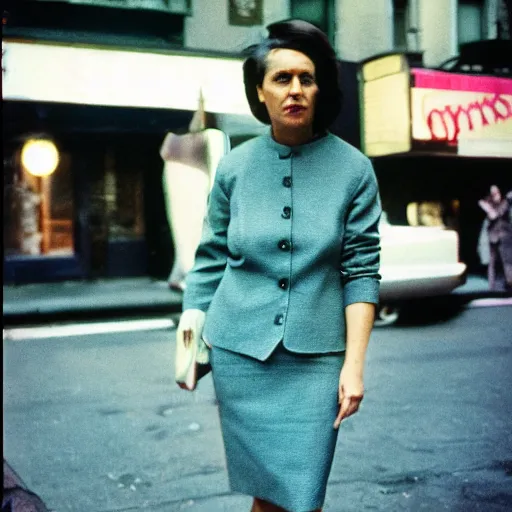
{"points": [[105, 80], [104, 85], [437, 114]]}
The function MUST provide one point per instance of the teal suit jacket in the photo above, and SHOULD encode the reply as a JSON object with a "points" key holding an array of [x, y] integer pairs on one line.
{"points": [[290, 239]]}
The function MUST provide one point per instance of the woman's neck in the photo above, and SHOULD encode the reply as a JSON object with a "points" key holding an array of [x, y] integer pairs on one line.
{"points": [[293, 137]]}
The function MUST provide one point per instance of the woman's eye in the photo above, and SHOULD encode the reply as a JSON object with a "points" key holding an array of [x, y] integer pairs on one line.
{"points": [[282, 78], [285, 78]]}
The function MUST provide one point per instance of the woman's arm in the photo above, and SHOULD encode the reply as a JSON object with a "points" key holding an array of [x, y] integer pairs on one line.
{"points": [[359, 318], [360, 257], [488, 209], [359, 267]]}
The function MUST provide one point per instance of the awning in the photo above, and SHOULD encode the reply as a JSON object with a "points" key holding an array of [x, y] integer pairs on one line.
{"points": [[99, 76]]}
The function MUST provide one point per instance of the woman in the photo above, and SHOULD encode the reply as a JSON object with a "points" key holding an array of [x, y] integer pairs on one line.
{"points": [[287, 274], [499, 234]]}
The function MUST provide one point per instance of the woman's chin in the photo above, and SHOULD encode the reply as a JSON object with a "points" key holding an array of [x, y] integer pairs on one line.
{"points": [[297, 124]]}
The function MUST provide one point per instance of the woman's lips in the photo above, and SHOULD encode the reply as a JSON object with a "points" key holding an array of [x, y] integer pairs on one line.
{"points": [[294, 109]]}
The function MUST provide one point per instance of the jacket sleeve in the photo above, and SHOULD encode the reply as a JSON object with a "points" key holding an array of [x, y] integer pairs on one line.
{"points": [[360, 258], [211, 255]]}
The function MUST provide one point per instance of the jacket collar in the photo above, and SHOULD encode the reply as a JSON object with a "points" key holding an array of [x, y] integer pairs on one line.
{"points": [[284, 151]]}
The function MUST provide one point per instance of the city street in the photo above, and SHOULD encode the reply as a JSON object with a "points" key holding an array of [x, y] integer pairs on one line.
{"points": [[95, 423]]}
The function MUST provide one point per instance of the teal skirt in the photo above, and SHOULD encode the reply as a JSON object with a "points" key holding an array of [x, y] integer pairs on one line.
{"points": [[277, 423]]}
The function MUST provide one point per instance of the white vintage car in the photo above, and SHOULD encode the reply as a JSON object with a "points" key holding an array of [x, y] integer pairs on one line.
{"points": [[416, 261]]}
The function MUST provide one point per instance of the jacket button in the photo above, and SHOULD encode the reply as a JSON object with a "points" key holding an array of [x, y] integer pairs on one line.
{"points": [[287, 181], [284, 245], [287, 211], [279, 319], [283, 284]]}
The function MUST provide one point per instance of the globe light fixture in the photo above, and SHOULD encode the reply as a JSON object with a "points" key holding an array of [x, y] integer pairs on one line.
{"points": [[40, 157]]}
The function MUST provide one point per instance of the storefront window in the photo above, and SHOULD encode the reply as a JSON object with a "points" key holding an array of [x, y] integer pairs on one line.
{"points": [[57, 210], [38, 211], [434, 213], [123, 196], [22, 204]]}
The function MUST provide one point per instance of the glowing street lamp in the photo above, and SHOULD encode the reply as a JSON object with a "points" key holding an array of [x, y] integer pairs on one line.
{"points": [[40, 157]]}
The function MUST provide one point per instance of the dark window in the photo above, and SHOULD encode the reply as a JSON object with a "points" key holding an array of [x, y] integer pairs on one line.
{"points": [[470, 14], [400, 25], [319, 12]]}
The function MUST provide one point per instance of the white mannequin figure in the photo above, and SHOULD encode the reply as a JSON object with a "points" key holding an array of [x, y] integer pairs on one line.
{"points": [[189, 170]]}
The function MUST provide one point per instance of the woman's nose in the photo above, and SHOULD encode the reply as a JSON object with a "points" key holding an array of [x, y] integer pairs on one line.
{"points": [[295, 87]]}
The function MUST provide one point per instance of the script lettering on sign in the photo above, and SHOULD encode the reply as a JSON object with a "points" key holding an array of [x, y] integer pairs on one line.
{"points": [[446, 123], [470, 113]]}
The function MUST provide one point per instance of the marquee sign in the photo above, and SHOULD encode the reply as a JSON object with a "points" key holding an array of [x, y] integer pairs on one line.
{"points": [[473, 114], [461, 114]]}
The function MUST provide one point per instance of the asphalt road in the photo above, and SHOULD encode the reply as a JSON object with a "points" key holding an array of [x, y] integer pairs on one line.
{"points": [[94, 423]]}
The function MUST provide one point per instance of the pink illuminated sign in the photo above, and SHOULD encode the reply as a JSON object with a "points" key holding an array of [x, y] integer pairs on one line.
{"points": [[455, 108], [415, 109], [428, 79]]}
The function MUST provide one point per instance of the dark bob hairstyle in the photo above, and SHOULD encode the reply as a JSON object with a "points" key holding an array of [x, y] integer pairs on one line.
{"points": [[306, 38]]}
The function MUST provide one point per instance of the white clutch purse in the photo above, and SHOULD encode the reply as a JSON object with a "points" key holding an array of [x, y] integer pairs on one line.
{"points": [[192, 359]]}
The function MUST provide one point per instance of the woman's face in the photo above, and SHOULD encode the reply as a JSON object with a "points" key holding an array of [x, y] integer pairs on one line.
{"points": [[289, 91]]}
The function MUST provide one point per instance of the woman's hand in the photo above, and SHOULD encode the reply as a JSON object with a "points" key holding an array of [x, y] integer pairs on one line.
{"points": [[190, 326], [350, 392], [359, 317], [190, 349]]}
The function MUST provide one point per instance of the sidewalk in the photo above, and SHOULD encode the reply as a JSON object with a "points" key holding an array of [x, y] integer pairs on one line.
{"points": [[477, 287], [71, 300]]}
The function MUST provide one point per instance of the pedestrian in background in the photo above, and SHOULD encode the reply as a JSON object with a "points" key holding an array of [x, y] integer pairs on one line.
{"points": [[499, 235], [286, 278]]}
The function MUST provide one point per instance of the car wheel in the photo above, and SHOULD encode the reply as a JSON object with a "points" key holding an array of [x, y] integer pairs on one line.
{"points": [[387, 315]]}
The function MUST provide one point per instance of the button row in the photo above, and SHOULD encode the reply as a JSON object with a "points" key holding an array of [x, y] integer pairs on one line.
{"points": [[284, 245]]}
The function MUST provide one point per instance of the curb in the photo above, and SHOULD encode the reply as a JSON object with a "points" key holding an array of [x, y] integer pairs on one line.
{"points": [[90, 314]]}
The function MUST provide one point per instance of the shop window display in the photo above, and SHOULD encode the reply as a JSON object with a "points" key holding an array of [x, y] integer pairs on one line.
{"points": [[58, 211], [22, 234], [434, 213], [38, 211]]}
